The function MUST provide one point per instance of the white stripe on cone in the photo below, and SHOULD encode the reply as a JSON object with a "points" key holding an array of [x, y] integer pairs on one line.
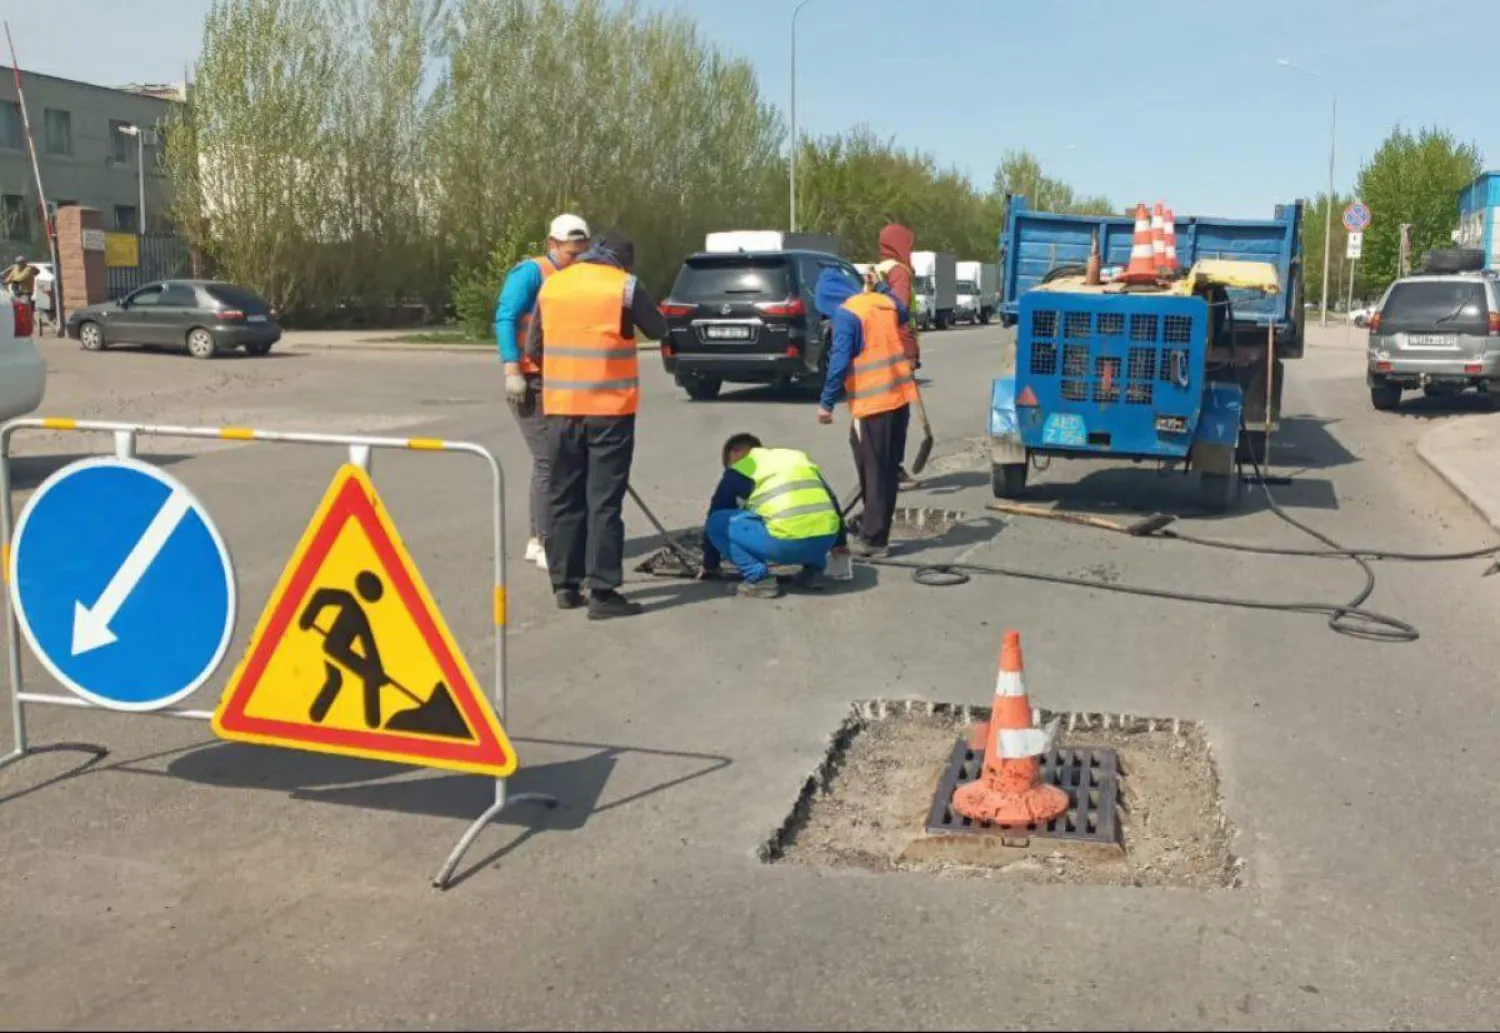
{"points": [[1017, 743], [1010, 683]]}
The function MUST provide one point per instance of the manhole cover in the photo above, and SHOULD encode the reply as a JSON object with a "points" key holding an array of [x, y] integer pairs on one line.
{"points": [[1090, 775]]}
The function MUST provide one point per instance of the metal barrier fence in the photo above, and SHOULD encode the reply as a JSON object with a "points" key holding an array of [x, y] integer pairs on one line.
{"points": [[360, 450]]}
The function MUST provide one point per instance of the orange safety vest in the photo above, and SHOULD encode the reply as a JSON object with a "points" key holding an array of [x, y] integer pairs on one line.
{"points": [[880, 378], [523, 325], [589, 366]]}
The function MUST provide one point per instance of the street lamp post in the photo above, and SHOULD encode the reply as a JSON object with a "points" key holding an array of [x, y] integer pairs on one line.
{"points": [[1332, 149], [793, 186], [140, 171]]}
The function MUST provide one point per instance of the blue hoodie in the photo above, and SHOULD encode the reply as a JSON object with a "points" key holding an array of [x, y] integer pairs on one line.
{"points": [[517, 297], [835, 288]]}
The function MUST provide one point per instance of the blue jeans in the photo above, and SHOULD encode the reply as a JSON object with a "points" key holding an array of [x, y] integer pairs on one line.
{"points": [[742, 536]]}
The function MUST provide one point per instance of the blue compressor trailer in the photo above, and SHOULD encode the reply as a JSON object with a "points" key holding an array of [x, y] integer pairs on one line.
{"points": [[1188, 373]]}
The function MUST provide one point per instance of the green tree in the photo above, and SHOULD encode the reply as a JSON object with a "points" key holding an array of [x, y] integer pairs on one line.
{"points": [[1020, 173], [1412, 178]]}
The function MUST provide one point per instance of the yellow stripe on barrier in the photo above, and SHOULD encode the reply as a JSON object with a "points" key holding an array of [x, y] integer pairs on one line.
{"points": [[5, 563], [499, 606], [427, 444], [59, 423], [237, 433]]}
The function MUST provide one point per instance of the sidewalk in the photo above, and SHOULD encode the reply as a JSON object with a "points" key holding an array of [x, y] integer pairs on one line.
{"points": [[388, 340], [1466, 454]]}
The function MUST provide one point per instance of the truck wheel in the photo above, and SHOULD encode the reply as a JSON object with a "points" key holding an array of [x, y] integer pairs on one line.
{"points": [[700, 389], [984, 317], [1218, 490], [1385, 397], [1252, 447], [1008, 480]]}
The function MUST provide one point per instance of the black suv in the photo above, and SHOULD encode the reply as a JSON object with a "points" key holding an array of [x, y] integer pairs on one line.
{"points": [[748, 318]]}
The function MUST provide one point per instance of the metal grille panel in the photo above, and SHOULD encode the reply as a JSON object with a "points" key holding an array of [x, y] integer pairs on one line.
{"points": [[1075, 390], [1044, 324], [1107, 379], [1111, 324], [1077, 325], [1089, 775], [1143, 328], [1043, 359], [1075, 360], [1179, 330]]}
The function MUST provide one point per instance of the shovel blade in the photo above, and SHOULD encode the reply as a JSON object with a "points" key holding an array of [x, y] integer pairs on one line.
{"points": [[924, 453]]}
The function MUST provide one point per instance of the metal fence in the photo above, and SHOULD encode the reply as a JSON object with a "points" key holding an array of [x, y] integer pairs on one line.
{"points": [[162, 256]]}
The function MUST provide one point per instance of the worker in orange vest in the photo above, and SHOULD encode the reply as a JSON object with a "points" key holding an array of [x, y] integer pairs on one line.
{"points": [[567, 238], [868, 367], [584, 341]]}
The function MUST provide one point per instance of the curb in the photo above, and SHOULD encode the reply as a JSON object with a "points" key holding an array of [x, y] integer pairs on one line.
{"points": [[409, 346], [1455, 479]]}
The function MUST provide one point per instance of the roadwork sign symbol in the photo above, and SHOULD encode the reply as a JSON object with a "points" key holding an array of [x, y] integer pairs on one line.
{"points": [[352, 656]]}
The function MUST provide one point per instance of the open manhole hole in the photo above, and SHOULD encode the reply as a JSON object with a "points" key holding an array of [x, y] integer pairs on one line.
{"points": [[1146, 808]]}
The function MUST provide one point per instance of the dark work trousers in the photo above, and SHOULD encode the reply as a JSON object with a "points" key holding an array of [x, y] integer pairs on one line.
{"points": [[590, 458], [533, 424], [878, 450]]}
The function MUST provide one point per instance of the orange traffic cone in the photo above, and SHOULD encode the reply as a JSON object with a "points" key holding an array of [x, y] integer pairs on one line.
{"points": [[1159, 237], [1009, 790], [1169, 231], [1142, 267]]}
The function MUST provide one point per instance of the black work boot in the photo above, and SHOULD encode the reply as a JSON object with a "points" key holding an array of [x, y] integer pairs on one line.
{"points": [[609, 603], [568, 598]]}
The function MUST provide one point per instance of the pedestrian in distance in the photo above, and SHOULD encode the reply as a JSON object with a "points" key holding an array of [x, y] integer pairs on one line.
{"points": [[20, 278], [584, 339], [868, 368], [772, 506], [515, 311]]}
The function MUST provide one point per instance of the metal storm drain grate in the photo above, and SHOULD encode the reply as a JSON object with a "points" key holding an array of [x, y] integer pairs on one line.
{"points": [[1090, 775]]}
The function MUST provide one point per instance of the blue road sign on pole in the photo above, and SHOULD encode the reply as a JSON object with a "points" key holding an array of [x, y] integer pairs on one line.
{"points": [[122, 584], [1356, 217]]}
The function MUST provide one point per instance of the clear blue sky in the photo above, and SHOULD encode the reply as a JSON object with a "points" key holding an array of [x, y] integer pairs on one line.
{"points": [[1138, 100]]}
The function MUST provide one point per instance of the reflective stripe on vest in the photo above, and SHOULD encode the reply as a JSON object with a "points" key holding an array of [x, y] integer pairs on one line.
{"points": [[789, 494], [880, 378], [523, 325], [589, 367]]}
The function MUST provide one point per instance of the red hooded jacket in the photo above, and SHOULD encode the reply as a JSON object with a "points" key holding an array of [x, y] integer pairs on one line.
{"points": [[896, 242]]}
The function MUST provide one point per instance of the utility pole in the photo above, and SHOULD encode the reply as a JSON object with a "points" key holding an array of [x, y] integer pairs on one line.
{"points": [[792, 221]]}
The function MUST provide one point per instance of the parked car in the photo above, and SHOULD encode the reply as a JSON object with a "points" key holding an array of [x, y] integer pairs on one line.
{"points": [[204, 316], [1437, 333], [748, 318], [1360, 317], [23, 372]]}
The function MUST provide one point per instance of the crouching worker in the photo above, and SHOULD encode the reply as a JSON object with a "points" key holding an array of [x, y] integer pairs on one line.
{"points": [[772, 506]]}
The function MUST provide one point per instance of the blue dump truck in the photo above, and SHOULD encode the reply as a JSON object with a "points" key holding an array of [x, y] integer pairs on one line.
{"points": [[1187, 372]]}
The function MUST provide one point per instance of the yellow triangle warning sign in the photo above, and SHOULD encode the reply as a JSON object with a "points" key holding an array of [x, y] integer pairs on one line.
{"points": [[352, 657]]}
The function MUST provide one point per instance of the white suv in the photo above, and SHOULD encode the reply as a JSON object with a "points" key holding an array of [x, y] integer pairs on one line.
{"points": [[23, 374]]}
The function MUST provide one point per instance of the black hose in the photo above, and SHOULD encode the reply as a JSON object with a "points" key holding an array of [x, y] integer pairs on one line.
{"points": [[1351, 618]]}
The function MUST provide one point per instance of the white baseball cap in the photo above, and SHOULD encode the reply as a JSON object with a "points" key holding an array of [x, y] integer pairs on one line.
{"points": [[568, 227]]}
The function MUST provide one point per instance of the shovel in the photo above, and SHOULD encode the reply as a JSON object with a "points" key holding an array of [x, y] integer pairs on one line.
{"points": [[671, 543], [924, 451]]}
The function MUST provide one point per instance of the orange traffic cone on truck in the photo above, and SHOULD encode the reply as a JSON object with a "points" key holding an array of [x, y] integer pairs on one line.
{"points": [[1142, 267], [1169, 230], [1009, 789]]}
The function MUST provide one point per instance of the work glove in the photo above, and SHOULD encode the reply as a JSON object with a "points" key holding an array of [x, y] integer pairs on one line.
{"points": [[515, 388]]}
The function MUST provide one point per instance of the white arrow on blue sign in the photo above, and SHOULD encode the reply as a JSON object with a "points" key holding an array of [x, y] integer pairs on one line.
{"points": [[122, 584]]}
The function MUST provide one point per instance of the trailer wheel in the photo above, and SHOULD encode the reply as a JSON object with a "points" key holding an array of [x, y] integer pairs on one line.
{"points": [[984, 317], [1008, 480], [1217, 491], [1252, 447]]}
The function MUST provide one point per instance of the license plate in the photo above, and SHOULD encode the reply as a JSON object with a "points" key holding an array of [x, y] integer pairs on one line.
{"points": [[1432, 340], [255, 319], [727, 333]]}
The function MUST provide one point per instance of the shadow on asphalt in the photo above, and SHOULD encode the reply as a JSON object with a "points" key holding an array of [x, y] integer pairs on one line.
{"points": [[1442, 406], [27, 472]]}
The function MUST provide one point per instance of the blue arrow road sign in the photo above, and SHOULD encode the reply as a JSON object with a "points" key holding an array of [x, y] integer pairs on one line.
{"points": [[122, 584]]}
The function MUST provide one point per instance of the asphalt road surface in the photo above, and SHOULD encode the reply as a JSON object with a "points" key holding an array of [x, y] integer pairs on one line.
{"points": [[189, 883]]}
